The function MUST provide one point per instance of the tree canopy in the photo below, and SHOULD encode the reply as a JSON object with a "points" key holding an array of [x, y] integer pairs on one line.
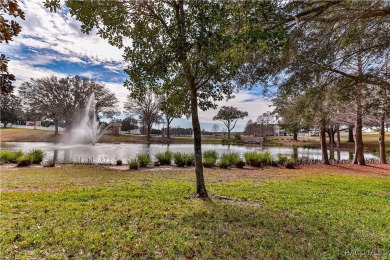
{"points": [[196, 45], [229, 116], [60, 99]]}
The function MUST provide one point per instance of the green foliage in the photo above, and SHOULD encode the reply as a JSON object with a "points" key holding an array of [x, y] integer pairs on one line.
{"points": [[134, 164], [228, 159], [289, 163], [210, 158], [25, 160], [229, 116], [164, 158], [179, 159], [10, 156], [144, 159], [257, 159], [37, 155], [239, 164], [183, 159]]}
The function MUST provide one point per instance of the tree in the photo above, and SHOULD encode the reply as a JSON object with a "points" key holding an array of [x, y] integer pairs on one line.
{"points": [[147, 108], [215, 129], [11, 108], [229, 116], [263, 121], [8, 29], [194, 43], [63, 98], [344, 41], [129, 123], [172, 106]]}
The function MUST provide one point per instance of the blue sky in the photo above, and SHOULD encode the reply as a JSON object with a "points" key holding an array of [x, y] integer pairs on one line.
{"points": [[53, 44]]}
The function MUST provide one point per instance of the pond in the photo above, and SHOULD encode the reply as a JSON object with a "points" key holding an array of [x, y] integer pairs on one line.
{"points": [[110, 152]]}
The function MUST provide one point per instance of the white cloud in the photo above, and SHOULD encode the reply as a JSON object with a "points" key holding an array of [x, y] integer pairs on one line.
{"points": [[42, 29]]}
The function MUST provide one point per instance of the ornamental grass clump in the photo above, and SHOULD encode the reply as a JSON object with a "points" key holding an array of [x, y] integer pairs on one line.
{"points": [[25, 160], [210, 158], [164, 158], [183, 159], [10, 156], [134, 164], [228, 159], [143, 159], [179, 159], [257, 159], [37, 155]]}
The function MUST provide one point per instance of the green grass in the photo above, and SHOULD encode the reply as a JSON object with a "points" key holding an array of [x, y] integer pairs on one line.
{"points": [[87, 212]]}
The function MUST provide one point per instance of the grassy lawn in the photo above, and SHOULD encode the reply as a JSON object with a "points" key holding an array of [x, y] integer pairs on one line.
{"points": [[91, 212]]}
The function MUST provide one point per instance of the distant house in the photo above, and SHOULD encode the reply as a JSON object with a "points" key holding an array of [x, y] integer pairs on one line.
{"points": [[33, 123]]}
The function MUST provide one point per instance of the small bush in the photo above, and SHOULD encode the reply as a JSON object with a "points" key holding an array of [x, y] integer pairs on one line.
{"points": [[281, 159], [224, 163], [10, 156], [180, 159], [37, 156], [119, 162], [239, 164], [190, 159], [164, 158], [183, 159], [25, 160], [252, 158], [210, 158], [290, 164], [144, 159], [134, 164], [257, 159]]}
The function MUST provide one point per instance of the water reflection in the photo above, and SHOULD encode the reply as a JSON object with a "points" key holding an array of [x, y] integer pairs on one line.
{"points": [[109, 153]]}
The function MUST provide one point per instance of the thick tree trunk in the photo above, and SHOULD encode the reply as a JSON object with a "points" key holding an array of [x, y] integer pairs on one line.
{"points": [[350, 134], [324, 149], [295, 136], [200, 183], [382, 148], [359, 150]]}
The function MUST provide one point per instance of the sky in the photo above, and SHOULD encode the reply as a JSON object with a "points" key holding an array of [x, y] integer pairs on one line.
{"points": [[53, 44]]}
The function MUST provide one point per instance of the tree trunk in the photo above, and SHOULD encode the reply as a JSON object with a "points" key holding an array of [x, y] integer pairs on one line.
{"points": [[149, 128], [350, 134], [359, 152], [295, 136], [200, 183], [382, 148], [324, 149], [56, 127], [168, 134], [338, 138], [229, 134]]}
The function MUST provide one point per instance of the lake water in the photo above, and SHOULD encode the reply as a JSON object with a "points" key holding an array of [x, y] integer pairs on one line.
{"points": [[109, 153]]}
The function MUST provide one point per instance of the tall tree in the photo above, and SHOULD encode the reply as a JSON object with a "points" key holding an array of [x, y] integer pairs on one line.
{"points": [[195, 42], [11, 108], [147, 108], [8, 30], [264, 120], [62, 98], [229, 116]]}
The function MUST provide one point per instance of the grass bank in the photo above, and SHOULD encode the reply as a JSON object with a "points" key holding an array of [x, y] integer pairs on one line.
{"points": [[91, 212]]}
